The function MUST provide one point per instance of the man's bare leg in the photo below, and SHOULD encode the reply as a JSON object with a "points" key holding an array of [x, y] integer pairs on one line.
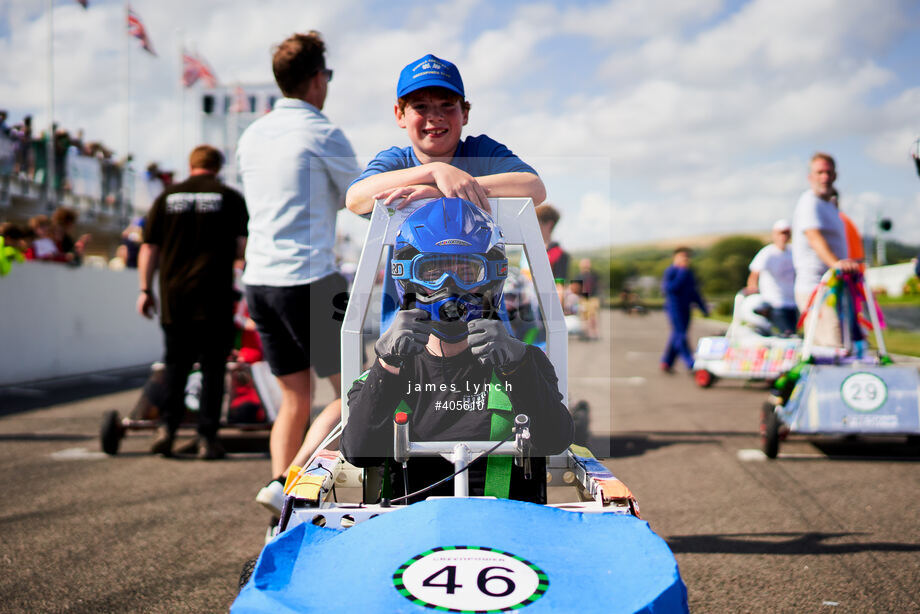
{"points": [[293, 417], [322, 426]]}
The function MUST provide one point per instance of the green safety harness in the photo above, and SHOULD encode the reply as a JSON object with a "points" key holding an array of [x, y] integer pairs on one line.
{"points": [[498, 468]]}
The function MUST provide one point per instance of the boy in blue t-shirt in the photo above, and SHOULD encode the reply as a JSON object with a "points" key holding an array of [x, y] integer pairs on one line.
{"points": [[432, 108]]}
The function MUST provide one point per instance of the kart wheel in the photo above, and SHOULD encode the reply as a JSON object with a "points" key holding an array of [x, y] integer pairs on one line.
{"points": [[704, 378], [769, 430], [246, 573], [111, 432], [581, 417]]}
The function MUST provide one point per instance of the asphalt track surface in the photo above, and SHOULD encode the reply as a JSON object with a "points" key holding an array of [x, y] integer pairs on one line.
{"points": [[828, 527]]}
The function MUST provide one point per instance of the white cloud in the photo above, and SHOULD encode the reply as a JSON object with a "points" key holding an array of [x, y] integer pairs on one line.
{"points": [[594, 221], [677, 118], [628, 20], [890, 145], [865, 208]]}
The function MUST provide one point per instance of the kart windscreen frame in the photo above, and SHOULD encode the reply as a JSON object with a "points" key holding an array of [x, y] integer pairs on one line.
{"points": [[518, 222]]}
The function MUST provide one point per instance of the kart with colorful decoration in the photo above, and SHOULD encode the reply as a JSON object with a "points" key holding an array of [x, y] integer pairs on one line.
{"points": [[847, 392], [460, 553], [747, 351]]}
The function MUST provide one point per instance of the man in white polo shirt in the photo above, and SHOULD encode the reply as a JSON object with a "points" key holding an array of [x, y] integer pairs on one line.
{"points": [[296, 166], [819, 243], [773, 277]]}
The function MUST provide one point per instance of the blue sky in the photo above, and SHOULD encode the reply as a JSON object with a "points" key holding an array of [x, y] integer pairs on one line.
{"points": [[648, 119]]}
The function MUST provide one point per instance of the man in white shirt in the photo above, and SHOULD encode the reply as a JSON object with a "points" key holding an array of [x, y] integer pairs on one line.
{"points": [[773, 277], [295, 167], [819, 243]]}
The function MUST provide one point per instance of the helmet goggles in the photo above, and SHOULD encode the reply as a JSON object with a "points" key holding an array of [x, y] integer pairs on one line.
{"points": [[431, 271]]}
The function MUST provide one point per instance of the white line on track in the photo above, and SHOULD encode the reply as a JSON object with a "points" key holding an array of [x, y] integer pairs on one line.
{"points": [[77, 454], [635, 380], [751, 455]]}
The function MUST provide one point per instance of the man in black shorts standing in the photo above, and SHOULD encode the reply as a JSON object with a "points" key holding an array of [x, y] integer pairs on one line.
{"points": [[194, 231], [296, 166]]}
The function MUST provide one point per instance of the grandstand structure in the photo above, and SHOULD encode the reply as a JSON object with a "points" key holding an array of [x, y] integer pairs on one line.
{"points": [[226, 111], [101, 192]]}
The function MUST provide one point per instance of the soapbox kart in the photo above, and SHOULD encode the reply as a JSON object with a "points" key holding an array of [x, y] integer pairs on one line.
{"points": [[460, 553], [843, 392], [748, 351], [251, 403]]}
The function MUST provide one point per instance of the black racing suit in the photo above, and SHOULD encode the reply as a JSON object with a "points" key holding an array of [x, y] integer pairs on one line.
{"points": [[446, 399]]}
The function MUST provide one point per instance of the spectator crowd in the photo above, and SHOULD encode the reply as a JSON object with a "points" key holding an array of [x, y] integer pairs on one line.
{"points": [[81, 167], [47, 238]]}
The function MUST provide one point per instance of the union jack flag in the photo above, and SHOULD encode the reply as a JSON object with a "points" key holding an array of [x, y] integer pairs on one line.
{"points": [[194, 68], [137, 30], [240, 101]]}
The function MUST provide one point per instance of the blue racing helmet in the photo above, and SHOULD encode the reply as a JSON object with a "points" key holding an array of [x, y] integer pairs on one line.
{"points": [[449, 259]]}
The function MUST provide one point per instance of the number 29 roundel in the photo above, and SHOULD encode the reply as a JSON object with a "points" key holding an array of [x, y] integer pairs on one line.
{"points": [[470, 579], [864, 392]]}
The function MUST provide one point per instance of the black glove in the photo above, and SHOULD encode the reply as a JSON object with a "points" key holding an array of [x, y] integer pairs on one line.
{"points": [[406, 337], [491, 344]]}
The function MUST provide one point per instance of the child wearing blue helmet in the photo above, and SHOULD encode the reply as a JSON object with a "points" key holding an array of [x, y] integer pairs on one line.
{"points": [[450, 366], [432, 108]]}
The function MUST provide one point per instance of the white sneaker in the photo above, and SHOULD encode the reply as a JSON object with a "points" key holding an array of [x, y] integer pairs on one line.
{"points": [[272, 497]]}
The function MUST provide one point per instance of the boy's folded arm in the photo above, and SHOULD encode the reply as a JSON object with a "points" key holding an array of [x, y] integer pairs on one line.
{"points": [[360, 196], [518, 184]]}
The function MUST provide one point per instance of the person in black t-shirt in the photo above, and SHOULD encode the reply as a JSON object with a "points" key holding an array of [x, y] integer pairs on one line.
{"points": [[446, 362], [548, 217], [194, 231]]}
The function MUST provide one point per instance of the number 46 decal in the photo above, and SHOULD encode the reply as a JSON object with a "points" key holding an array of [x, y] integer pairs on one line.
{"points": [[482, 580], [470, 579]]}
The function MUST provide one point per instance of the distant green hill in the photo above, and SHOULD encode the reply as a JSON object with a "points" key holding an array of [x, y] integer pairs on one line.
{"points": [[720, 261]]}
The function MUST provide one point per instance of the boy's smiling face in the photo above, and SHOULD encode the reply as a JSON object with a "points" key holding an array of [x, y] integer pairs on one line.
{"points": [[434, 123]]}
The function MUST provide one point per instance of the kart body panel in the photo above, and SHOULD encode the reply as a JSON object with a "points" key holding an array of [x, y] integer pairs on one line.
{"points": [[574, 561], [851, 399]]}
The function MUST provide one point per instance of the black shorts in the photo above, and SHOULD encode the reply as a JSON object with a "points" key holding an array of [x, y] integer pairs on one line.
{"points": [[300, 325]]}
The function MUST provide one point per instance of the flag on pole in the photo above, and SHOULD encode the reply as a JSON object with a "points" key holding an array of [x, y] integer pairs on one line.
{"points": [[194, 68], [137, 30], [83, 3], [240, 103]]}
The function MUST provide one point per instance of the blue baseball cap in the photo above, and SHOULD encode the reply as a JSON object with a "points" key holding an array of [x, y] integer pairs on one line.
{"points": [[429, 71]]}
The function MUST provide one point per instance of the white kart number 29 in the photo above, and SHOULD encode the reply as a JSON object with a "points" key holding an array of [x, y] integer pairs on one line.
{"points": [[864, 392], [470, 579]]}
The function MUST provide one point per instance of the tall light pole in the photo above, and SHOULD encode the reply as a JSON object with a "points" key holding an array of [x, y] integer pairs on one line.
{"points": [[915, 154], [882, 228], [49, 144]]}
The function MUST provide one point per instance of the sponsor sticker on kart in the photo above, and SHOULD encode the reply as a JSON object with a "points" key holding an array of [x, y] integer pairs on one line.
{"points": [[864, 392], [470, 579], [883, 421]]}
